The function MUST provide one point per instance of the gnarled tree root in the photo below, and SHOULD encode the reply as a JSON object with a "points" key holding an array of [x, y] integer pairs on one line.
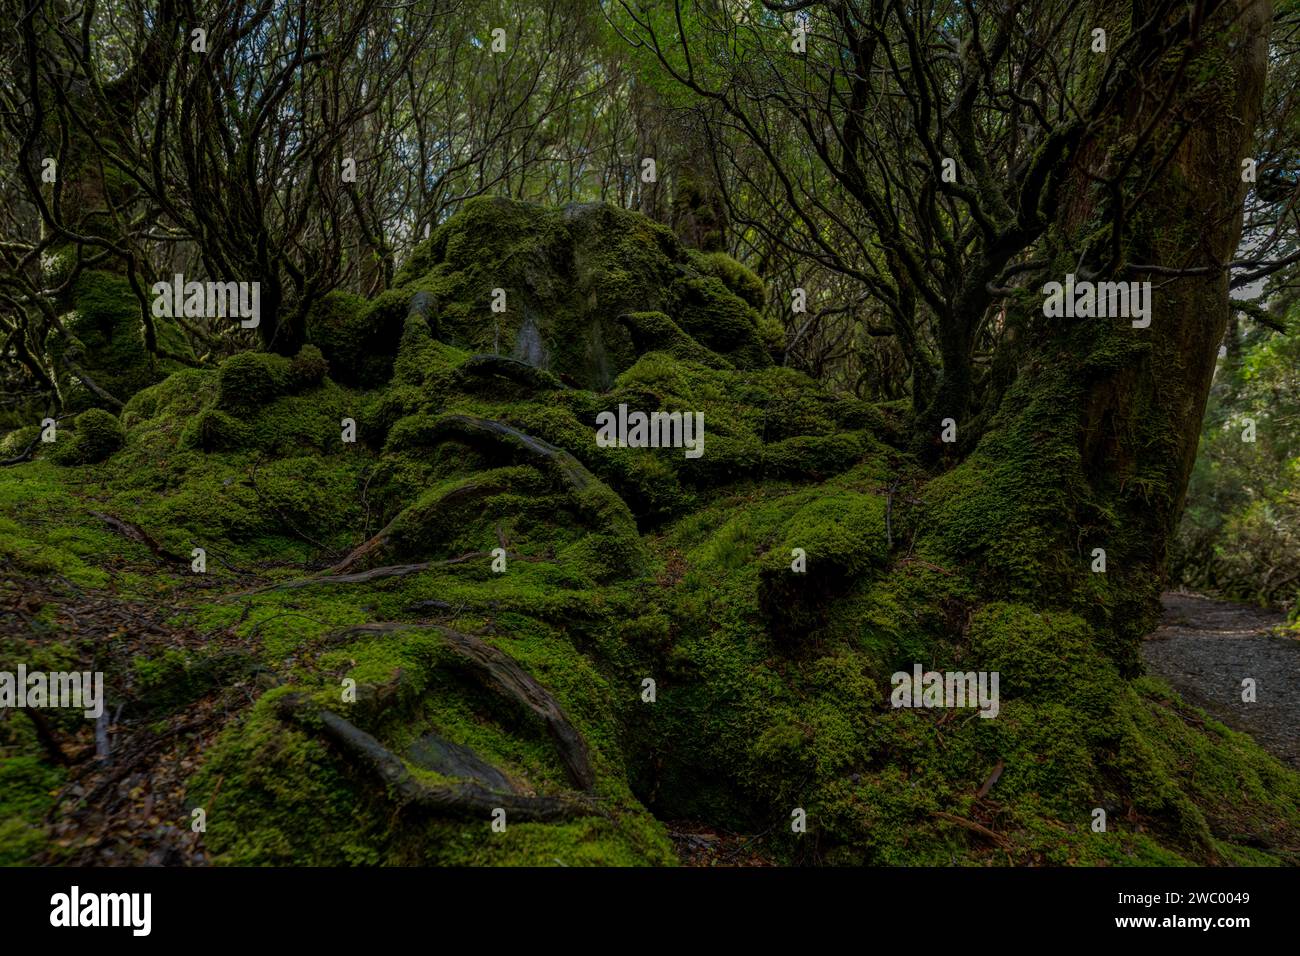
{"points": [[520, 373], [467, 800], [501, 672], [375, 574], [596, 500], [375, 546], [481, 431]]}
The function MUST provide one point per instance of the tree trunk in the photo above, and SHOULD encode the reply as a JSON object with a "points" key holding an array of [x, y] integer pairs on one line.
{"points": [[1094, 442]]}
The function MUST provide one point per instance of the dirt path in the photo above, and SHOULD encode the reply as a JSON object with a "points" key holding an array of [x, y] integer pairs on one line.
{"points": [[1205, 648]]}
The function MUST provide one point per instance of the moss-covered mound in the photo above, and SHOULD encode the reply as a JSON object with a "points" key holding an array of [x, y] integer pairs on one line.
{"points": [[95, 435], [549, 287], [460, 602]]}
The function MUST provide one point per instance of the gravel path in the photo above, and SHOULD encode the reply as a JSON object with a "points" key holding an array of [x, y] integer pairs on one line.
{"points": [[1205, 648]]}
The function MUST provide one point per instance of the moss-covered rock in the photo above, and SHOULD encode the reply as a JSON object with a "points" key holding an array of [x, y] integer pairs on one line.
{"points": [[95, 435], [567, 276], [734, 276], [656, 332], [359, 339], [720, 320]]}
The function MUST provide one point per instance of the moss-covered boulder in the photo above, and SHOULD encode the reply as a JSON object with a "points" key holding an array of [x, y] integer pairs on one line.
{"points": [[733, 275], [549, 286], [357, 338], [95, 435]]}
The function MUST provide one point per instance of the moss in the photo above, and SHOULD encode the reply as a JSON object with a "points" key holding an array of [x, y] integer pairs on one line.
{"points": [[656, 332], [249, 380], [26, 788], [308, 368], [96, 434], [106, 338], [568, 275], [773, 687], [707, 310], [358, 338], [840, 537], [17, 441], [172, 400], [174, 678], [734, 276], [258, 820], [215, 430]]}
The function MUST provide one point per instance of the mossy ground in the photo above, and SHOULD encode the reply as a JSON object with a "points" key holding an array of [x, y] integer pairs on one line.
{"points": [[771, 685]]}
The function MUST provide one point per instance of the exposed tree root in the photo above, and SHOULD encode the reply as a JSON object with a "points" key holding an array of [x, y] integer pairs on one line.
{"points": [[485, 431], [595, 499], [375, 546], [501, 672], [995, 838], [138, 534], [520, 373], [375, 574], [23, 455], [465, 800]]}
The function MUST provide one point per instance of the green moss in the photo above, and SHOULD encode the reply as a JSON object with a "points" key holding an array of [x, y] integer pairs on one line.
{"points": [[358, 338], [840, 537], [27, 786], [96, 434], [656, 332], [174, 678], [215, 430], [308, 368], [568, 276], [773, 686], [408, 685], [249, 380], [106, 339], [17, 441], [708, 311], [734, 276]]}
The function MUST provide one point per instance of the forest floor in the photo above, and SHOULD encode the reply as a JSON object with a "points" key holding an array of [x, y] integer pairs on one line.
{"points": [[1205, 648], [126, 778]]}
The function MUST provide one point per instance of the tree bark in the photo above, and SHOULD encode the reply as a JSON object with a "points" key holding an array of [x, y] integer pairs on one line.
{"points": [[1106, 415]]}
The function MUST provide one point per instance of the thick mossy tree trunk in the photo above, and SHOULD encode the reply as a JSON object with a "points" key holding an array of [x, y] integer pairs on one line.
{"points": [[104, 344], [1102, 422], [1146, 414]]}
